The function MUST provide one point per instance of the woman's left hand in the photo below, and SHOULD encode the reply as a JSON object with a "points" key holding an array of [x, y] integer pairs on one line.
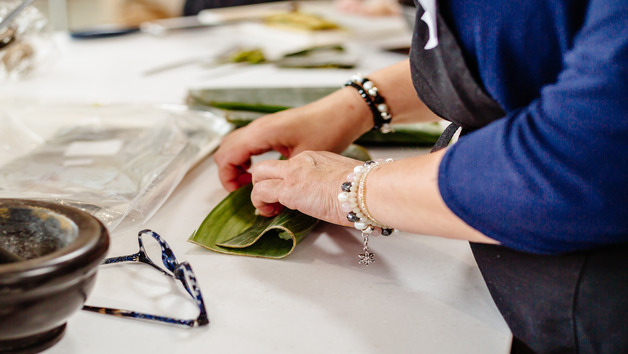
{"points": [[308, 182]]}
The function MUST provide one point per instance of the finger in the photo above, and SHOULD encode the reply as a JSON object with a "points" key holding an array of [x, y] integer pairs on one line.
{"points": [[233, 177], [244, 179], [265, 196], [270, 210], [233, 157], [232, 162], [270, 169], [233, 165]]}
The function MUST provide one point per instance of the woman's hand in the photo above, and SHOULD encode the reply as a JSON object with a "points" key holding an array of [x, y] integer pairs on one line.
{"points": [[329, 124], [308, 182]]}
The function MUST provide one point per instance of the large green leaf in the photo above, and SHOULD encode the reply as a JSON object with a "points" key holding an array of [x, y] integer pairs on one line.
{"points": [[257, 99], [232, 227]]}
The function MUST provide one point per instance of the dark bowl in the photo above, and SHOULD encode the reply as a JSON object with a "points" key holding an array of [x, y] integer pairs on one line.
{"points": [[49, 254]]}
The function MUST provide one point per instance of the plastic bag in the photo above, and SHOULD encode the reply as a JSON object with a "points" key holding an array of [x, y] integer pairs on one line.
{"points": [[117, 162]]}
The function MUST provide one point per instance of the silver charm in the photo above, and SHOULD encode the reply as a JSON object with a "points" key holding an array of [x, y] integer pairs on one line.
{"points": [[367, 257]]}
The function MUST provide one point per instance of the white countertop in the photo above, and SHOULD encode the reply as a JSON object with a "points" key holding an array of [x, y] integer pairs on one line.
{"points": [[423, 294]]}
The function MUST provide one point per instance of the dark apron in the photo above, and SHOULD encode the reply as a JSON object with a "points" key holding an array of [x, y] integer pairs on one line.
{"points": [[571, 303]]}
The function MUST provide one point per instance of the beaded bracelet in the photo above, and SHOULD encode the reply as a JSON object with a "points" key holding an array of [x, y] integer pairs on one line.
{"points": [[376, 102], [353, 202]]}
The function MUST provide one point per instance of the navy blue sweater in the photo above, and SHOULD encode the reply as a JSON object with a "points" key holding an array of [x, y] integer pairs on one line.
{"points": [[552, 175]]}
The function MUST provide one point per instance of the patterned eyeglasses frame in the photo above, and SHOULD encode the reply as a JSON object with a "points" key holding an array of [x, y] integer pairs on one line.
{"points": [[179, 271]]}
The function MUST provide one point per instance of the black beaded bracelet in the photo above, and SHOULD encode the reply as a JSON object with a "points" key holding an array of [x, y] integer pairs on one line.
{"points": [[375, 101]]}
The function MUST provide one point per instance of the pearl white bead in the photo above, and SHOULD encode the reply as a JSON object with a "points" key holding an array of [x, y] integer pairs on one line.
{"points": [[368, 85], [382, 107], [373, 91], [346, 207], [358, 169], [368, 230], [343, 197], [360, 225]]}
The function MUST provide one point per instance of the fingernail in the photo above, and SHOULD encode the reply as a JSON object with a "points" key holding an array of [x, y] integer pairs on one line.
{"points": [[266, 210]]}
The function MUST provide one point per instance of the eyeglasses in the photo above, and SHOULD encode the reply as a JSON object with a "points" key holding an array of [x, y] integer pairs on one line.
{"points": [[179, 271]]}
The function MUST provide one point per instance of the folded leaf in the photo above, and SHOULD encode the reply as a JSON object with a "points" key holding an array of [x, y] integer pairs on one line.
{"points": [[232, 227]]}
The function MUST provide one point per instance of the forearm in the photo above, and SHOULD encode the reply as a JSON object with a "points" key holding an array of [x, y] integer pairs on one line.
{"points": [[404, 194], [346, 115], [395, 84]]}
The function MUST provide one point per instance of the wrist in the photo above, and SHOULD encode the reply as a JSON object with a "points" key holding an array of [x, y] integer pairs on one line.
{"points": [[380, 112], [358, 118], [353, 202]]}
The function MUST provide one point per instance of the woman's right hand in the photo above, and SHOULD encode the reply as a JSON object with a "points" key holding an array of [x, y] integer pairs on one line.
{"points": [[329, 124]]}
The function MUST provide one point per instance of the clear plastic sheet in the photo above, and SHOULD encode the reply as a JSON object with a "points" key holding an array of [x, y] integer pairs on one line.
{"points": [[117, 162]]}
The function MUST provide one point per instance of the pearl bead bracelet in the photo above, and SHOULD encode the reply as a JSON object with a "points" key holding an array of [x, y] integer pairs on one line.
{"points": [[376, 102], [353, 201]]}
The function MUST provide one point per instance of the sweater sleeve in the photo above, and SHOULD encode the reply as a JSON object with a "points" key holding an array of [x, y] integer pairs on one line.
{"points": [[552, 177]]}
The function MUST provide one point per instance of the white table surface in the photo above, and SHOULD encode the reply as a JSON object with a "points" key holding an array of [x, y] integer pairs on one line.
{"points": [[423, 294]]}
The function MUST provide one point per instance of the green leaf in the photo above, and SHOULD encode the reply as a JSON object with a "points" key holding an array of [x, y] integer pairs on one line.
{"points": [[251, 56], [259, 99], [232, 227], [415, 134], [248, 107], [306, 51]]}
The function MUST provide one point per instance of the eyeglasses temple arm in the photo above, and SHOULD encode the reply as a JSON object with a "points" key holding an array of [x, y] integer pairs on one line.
{"points": [[143, 316], [130, 258]]}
